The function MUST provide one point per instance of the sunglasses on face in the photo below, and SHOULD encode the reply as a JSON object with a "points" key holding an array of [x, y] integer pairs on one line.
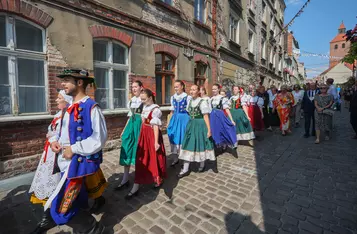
{"points": [[323, 88]]}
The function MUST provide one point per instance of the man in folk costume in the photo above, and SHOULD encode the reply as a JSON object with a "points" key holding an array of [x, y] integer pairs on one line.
{"points": [[82, 136]]}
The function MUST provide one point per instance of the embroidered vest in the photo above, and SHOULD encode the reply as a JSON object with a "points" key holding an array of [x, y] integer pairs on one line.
{"points": [[149, 118], [219, 106], [180, 107], [195, 112], [138, 110], [80, 128], [237, 103]]}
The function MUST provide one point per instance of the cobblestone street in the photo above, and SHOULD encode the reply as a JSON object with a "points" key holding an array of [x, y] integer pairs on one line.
{"points": [[281, 185]]}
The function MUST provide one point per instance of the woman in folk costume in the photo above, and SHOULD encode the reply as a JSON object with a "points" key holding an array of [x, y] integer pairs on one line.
{"points": [[79, 146], [283, 104], [204, 96], [131, 133], [150, 166], [223, 127], [253, 105], [46, 179], [197, 144], [178, 122], [244, 129]]}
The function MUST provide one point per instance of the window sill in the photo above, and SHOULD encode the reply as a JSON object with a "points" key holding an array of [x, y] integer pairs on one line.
{"points": [[234, 43], [6, 119], [167, 7], [202, 25]]}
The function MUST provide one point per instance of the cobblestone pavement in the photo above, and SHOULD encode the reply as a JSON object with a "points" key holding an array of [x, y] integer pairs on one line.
{"points": [[281, 185]]}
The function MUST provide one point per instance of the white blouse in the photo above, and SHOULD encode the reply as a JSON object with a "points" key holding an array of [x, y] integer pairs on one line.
{"points": [[53, 136], [255, 101], [156, 114], [298, 96], [235, 98], [271, 98], [134, 103], [178, 98], [214, 101], [204, 107]]}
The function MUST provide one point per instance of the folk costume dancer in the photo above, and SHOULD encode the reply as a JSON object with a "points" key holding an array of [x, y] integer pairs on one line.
{"points": [[150, 166], [46, 177], [83, 135], [254, 107], [178, 122], [283, 104], [222, 127], [130, 135], [197, 144], [244, 129]]}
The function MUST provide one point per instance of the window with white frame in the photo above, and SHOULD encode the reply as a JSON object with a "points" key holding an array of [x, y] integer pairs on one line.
{"points": [[280, 63], [200, 11], [271, 56], [272, 21], [234, 29], [274, 59], [22, 67], [252, 5], [263, 48], [264, 11], [111, 66], [251, 41]]}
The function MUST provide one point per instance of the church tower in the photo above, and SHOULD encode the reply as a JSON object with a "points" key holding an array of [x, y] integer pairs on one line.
{"points": [[338, 46]]}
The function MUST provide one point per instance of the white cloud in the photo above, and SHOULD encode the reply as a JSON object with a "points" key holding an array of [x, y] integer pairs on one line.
{"points": [[293, 2]]}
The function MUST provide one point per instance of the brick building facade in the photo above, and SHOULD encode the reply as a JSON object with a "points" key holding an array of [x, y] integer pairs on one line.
{"points": [[155, 41]]}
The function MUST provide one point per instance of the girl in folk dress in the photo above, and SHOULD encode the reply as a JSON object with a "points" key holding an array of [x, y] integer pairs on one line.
{"points": [[45, 180], [283, 104], [244, 129], [197, 144], [131, 133], [253, 105], [223, 127], [178, 122], [150, 166]]}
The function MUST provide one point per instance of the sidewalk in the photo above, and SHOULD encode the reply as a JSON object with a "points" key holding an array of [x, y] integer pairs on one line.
{"points": [[281, 185]]}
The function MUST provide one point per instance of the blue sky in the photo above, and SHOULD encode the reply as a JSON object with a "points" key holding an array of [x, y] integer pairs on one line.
{"points": [[317, 26]]}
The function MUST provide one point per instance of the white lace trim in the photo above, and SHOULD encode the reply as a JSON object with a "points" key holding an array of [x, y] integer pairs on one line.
{"points": [[44, 182], [197, 156]]}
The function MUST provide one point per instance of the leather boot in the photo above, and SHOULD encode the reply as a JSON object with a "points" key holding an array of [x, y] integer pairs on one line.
{"points": [[45, 224]]}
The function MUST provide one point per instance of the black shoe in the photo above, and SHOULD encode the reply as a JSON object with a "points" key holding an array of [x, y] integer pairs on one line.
{"points": [[306, 135], [201, 169], [45, 224], [122, 186], [131, 195], [181, 175], [98, 204], [174, 163]]}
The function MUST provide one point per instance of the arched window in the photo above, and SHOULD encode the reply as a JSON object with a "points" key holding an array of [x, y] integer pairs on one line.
{"points": [[22, 67], [336, 47], [343, 45], [200, 73], [165, 75], [111, 66]]}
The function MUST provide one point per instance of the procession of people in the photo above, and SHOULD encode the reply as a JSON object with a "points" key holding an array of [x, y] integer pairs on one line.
{"points": [[69, 174]]}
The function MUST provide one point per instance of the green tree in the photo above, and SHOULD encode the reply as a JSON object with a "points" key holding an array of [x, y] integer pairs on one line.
{"points": [[352, 54]]}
